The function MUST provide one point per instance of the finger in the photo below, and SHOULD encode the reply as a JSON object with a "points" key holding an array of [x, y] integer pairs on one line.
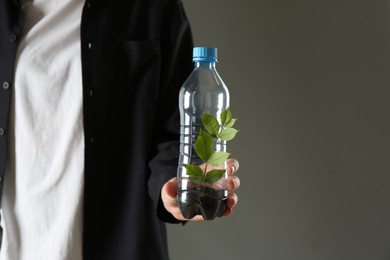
{"points": [[233, 183], [232, 200], [233, 166], [171, 188], [168, 194], [228, 212], [230, 203]]}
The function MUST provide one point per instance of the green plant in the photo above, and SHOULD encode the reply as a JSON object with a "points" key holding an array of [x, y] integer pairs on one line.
{"points": [[204, 147]]}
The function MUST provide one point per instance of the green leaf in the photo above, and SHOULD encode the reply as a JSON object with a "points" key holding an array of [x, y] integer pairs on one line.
{"points": [[226, 117], [217, 158], [195, 173], [227, 134], [204, 145], [230, 123], [214, 176], [211, 124], [196, 180]]}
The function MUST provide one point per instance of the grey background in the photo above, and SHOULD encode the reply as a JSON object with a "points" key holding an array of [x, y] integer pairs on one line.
{"points": [[310, 85]]}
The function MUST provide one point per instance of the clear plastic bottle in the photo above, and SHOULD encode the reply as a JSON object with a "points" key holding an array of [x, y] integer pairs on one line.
{"points": [[203, 92]]}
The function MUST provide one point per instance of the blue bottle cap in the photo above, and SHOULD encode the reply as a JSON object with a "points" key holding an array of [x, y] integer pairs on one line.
{"points": [[204, 54]]}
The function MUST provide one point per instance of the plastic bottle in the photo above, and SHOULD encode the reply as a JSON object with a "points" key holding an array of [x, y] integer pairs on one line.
{"points": [[203, 92]]}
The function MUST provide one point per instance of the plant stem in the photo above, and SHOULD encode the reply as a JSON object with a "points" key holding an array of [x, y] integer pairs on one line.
{"points": [[204, 173]]}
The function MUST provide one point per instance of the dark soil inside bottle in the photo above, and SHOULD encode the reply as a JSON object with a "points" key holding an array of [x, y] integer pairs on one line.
{"points": [[205, 201]]}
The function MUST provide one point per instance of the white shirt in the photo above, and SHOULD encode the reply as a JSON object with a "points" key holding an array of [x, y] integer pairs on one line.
{"points": [[43, 193]]}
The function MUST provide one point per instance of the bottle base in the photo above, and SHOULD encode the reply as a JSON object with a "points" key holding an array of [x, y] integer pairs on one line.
{"points": [[200, 200]]}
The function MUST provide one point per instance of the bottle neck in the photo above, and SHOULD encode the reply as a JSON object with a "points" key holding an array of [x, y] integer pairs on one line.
{"points": [[205, 64]]}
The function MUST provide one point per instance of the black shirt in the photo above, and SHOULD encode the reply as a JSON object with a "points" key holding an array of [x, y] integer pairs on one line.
{"points": [[135, 56]]}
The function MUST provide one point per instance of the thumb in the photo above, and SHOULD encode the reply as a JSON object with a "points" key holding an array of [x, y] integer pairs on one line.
{"points": [[170, 188]]}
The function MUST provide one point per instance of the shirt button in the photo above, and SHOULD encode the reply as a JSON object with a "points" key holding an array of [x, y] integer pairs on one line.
{"points": [[13, 38], [91, 93], [90, 45], [2, 131], [5, 85]]}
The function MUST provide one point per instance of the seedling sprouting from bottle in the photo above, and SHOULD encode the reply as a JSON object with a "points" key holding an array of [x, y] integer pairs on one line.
{"points": [[214, 131]]}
